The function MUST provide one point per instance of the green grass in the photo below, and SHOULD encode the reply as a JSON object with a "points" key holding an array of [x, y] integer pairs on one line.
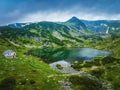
{"points": [[28, 68], [106, 69], [84, 83], [28, 72], [108, 44]]}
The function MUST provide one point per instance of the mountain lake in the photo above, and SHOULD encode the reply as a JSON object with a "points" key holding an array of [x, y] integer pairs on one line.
{"points": [[68, 54]]}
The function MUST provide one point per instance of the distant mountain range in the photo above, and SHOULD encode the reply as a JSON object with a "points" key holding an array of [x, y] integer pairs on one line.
{"points": [[18, 25], [73, 32], [98, 26]]}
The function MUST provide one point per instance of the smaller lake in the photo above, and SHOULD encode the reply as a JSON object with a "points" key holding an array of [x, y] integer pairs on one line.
{"points": [[69, 54]]}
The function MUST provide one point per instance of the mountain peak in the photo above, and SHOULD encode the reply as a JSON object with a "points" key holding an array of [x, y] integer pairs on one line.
{"points": [[73, 19], [77, 22]]}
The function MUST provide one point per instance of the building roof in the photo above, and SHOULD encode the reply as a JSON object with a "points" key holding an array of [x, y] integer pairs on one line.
{"points": [[9, 53]]}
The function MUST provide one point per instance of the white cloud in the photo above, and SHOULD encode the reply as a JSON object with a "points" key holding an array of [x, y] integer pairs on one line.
{"points": [[46, 16], [65, 15]]}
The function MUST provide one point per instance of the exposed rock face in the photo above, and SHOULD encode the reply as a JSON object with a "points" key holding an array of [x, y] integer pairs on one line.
{"points": [[66, 67]]}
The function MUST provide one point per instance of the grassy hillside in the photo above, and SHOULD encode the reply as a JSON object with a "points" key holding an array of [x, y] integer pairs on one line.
{"points": [[25, 72], [109, 44], [106, 69], [47, 34]]}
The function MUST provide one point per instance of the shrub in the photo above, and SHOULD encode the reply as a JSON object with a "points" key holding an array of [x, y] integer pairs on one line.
{"points": [[80, 83], [97, 72], [108, 59], [88, 64], [8, 83], [97, 61], [32, 82], [23, 82], [76, 66], [116, 84], [59, 66]]}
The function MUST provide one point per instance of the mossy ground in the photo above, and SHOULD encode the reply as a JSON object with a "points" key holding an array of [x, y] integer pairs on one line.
{"points": [[106, 69], [29, 73]]}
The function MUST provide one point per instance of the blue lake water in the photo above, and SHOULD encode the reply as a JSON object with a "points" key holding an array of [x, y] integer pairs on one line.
{"points": [[86, 54], [69, 54]]}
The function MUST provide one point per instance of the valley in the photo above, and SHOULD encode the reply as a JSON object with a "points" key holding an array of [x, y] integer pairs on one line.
{"points": [[75, 41]]}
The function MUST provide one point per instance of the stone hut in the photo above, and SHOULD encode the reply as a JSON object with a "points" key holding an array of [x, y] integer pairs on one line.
{"points": [[9, 54]]}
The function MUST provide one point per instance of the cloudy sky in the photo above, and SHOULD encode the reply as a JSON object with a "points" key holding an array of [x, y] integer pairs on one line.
{"points": [[12, 11]]}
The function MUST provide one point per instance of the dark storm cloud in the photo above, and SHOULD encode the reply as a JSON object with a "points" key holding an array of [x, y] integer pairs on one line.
{"points": [[12, 10]]}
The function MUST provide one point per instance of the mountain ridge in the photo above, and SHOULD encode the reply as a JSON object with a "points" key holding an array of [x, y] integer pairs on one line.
{"points": [[96, 26], [74, 31]]}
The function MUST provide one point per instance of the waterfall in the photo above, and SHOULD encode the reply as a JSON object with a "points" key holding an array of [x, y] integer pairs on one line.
{"points": [[107, 30]]}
